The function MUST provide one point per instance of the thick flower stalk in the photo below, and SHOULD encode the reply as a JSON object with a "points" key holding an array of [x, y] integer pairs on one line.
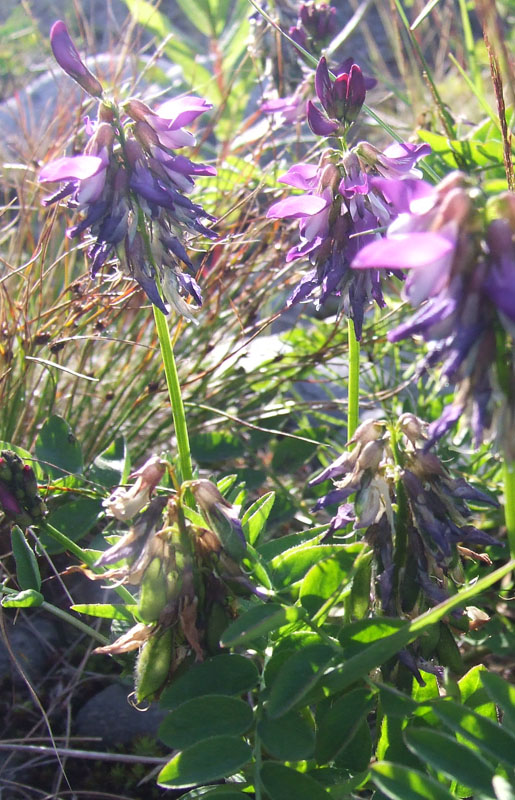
{"points": [[460, 258], [131, 187], [346, 199], [409, 508]]}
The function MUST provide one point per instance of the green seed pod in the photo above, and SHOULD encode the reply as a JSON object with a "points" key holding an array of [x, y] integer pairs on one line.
{"points": [[153, 595], [153, 664]]}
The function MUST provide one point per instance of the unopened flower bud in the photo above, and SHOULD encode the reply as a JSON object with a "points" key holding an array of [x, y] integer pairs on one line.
{"points": [[221, 516], [367, 432], [68, 58], [412, 427], [145, 135], [299, 36], [137, 110]]}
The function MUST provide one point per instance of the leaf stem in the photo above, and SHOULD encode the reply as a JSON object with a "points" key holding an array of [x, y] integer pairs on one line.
{"points": [[59, 612], [509, 503], [174, 391], [353, 401]]}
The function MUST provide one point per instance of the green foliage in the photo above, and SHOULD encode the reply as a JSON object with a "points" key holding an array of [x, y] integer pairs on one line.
{"points": [[302, 692]]}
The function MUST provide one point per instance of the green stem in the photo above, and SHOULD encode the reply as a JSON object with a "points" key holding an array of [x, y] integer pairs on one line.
{"points": [[58, 612], [353, 401], [509, 503], [174, 391], [77, 623], [82, 555]]}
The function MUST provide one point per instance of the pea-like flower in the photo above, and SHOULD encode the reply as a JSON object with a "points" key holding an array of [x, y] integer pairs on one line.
{"points": [[460, 258], [131, 187], [341, 100], [345, 200]]}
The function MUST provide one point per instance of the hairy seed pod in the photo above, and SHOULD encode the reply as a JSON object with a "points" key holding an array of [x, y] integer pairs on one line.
{"points": [[153, 595], [153, 664]]}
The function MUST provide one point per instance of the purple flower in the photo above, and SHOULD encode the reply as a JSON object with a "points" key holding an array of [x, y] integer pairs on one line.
{"points": [[68, 58], [462, 278], [289, 110], [167, 122], [341, 100], [342, 205], [122, 174]]}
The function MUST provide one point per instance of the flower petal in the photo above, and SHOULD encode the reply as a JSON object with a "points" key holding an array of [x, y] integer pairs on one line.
{"points": [[305, 205], [71, 168], [182, 110], [320, 124], [302, 176], [403, 252]]}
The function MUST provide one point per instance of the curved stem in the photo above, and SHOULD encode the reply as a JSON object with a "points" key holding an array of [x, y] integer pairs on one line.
{"points": [[58, 612], [82, 555], [509, 503], [353, 401], [174, 391]]}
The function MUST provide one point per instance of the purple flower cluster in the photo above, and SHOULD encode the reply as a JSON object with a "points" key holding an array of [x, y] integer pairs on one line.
{"points": [[345, 200], [400, 489], [131, 187], [461, 262], [316, 25]]}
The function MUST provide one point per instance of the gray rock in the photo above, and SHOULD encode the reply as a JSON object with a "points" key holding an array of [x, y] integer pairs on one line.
{"points": [[109, 715], [32, 643]]}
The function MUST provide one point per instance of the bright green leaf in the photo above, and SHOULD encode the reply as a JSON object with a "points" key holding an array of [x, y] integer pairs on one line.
{"points": [[488, 736], [325, 579], [203, 717], [259, 621], [406, 783], [255, 517], [451, 758], [208, 760], [228, 674], [107, 610], [28, 598], [292, 565]]}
